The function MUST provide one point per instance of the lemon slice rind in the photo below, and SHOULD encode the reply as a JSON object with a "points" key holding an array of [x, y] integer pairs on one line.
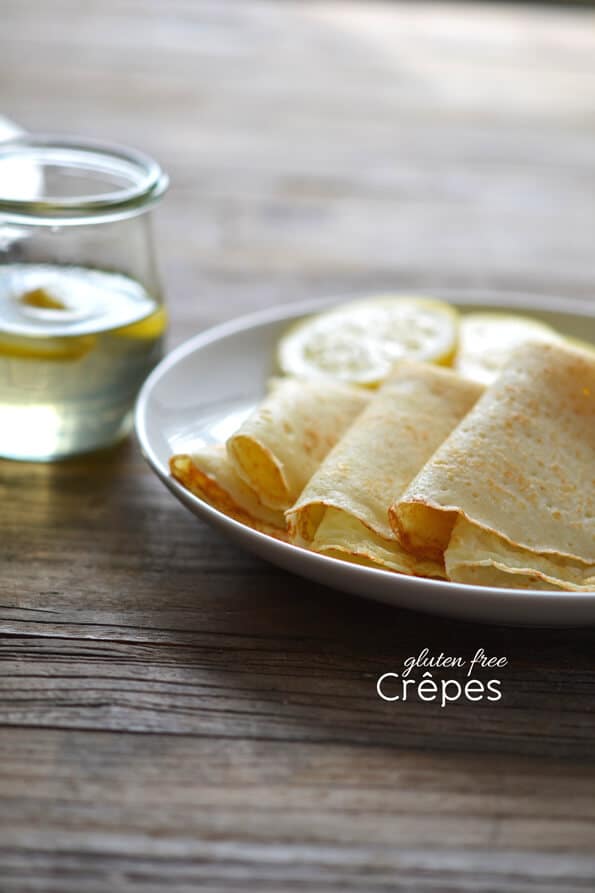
{"points": [[47, 349], [147, 329]]}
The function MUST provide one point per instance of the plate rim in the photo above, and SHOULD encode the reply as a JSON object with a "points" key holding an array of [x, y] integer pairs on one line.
{"points": [[467, 296]]}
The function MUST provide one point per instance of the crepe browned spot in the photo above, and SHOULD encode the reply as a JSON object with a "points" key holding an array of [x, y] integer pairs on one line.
{"points": [[209, 474], [343, 510], [278, 448], [517, 477]]}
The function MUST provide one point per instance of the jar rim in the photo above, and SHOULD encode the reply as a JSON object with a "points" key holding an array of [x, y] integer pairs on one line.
{"points": [[143, 180]]}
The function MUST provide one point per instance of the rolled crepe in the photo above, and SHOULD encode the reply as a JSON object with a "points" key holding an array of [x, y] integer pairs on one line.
{"points": [[510, 495], [343, 511], [483, 558], [209, 474], [278, 448]]}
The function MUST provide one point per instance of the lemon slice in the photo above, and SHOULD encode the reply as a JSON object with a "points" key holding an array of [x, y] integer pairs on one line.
{"points": [[487, 340], [52, 348], [149, 328], [42, 299], [359, 342], [48, 349]]}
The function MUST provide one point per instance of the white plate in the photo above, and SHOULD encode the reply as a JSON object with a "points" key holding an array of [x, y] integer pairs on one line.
{"points": [[204, 389]]}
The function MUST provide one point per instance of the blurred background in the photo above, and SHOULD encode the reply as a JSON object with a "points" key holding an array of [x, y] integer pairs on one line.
{"points": [[328, 147]]}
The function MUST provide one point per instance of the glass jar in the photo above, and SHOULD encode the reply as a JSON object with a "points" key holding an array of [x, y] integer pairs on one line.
{"points": [[81, 309]]}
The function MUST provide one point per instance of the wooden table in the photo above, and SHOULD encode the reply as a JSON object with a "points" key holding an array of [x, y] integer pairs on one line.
{"points": [[176, 715]]}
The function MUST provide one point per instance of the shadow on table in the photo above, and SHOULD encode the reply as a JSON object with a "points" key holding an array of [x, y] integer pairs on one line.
{"points": [[306, 661]]}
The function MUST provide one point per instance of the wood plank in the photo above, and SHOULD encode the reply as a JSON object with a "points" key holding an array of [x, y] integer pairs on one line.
{"points": [[257, 815], [173, 712]]}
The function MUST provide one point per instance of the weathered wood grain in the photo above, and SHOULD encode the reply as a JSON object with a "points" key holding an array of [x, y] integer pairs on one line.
{"points": [[175, 714], [209, 808]]}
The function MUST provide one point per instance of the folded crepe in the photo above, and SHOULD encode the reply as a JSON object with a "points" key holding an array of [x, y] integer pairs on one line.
{"points": [[208, 473], [477, 556], [278, 448], [343, 510], [509, 498]]}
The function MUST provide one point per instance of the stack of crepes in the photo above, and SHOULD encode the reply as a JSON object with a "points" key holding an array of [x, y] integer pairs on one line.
{"points": [[428, 476]]}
